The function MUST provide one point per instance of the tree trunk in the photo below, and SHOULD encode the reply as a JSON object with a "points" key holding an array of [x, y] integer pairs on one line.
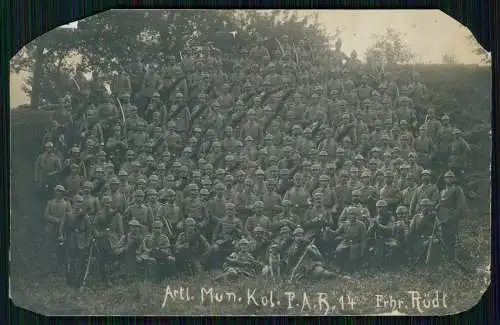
{"points": [[37, 78]]}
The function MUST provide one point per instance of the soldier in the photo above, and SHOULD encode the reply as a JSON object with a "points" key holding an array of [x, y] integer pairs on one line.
{"points": [[139, 211], [75, 158], [158, 211], [47, 166], [77, 239], [216, 206], [227, 231], [74, 181], [55, 212], [129, 248], [191, 249], [246, 198], [257, 219], [157, 252], [452, 209], [390, 192], [381, 233], [173, 212], [352, 237], [303, 259], [241, 262], [252, 128], [298, 196], [425, 234], [425, 190], [271, 199]]}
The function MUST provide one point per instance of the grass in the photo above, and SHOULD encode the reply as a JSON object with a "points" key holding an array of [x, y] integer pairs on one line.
{"points": [[35, 288]]}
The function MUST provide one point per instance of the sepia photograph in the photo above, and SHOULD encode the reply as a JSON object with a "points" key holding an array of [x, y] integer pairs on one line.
{"points": [[251, 162]]}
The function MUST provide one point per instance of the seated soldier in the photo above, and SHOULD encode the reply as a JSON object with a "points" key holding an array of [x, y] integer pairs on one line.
{"points": [[352, 236], [303, 259], [191, 249], [381, 234], [241, 263], [424, 234], [156, 253], [259, 242], [129, 247]]}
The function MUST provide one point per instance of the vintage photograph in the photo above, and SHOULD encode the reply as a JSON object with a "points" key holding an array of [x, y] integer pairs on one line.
{"points": [[251, 162]]}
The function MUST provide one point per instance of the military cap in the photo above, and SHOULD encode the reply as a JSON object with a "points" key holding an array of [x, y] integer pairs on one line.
{"points": [[445, 117], [456, 131], [243, 241], [193, 187], [151, 191], [204, 191], [401, 208], [230, 205], [188, 149], [425, 201], [170, 192], [268, 136], [134, 223], [381, 203], [298, 231], [259, 228], [449, 174], [388, 173], [60, 188], [220, 186], [75, 150], [139, 193], [141, 180], [206, 181], [285, 229], [324, 177], [190, 222], [318, 195], [259, 172], [286, 203], [323, 153], [99, 169], [425, 172], [114, 180], [240, 173], [258, 204], [340, 150], [359, 157], [87, 184], [412, 154], [220, 171], [107, 198], [176, 164]]}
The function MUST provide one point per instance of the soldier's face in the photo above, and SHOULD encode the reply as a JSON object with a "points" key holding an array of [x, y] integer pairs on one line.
{"points": [[244, 248], [139, 198]]}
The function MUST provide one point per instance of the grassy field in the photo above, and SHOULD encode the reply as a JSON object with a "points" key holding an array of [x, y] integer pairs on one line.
{"points": [[35, 288]]}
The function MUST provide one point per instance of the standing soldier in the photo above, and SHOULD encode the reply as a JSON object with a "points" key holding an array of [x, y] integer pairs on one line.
{"points": [[139, 211], [47, 166], [55, 212], [425, 190], [298, 196], [257, 219], [452, 209], [390, 193]]}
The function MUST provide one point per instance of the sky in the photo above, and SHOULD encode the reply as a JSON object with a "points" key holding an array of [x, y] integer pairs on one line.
{"points": [[429, 33]]}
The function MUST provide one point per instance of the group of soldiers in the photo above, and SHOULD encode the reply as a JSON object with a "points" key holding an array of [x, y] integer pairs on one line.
{"points": [[287, 163]]}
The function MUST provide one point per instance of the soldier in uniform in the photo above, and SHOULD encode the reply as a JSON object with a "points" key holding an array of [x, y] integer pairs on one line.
{"points": [[128, 248], [241, 262], [156, 252], [352, 237], [55, 212], [298, 196], [452, 209], [257, 219], [390, 193], [381, 232], [191, 249], [425, 233], [47, 166], [425, 190], [303, 259], [139, 211], [77, 239], [227, 231]]}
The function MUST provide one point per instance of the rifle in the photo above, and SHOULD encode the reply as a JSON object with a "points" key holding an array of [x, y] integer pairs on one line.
{"points": [[431, 240], [87, 268], [301, 259]]}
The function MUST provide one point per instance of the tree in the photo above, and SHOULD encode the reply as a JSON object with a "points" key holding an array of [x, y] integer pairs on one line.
{"points": [[389, 49], [479, 50], [45, 60]]}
